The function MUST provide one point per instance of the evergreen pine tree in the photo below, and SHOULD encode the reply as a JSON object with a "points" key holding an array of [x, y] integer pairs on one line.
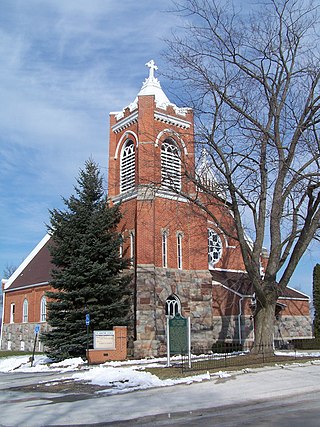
{"points": [[316, 300], [88, 277]]}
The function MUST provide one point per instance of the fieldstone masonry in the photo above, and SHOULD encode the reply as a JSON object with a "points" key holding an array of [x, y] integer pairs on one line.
{"points": [[154, 286], [20, 336], [288, 327]]}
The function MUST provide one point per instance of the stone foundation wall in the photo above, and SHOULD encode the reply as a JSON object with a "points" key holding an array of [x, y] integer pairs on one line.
{"points": [[289, 327], [154, 286], [20, 336], [227, 328], [194, 290]]}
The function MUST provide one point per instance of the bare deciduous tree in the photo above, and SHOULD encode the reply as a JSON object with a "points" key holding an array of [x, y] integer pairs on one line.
{"points": [[8, 271], [253, 78]]}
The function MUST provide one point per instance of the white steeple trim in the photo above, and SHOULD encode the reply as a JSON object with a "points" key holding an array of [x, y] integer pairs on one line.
{"points": [[204, 172], [151, 86]]}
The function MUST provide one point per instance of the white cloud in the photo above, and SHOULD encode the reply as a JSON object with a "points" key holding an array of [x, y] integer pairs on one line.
{"points": [[64, 65]]}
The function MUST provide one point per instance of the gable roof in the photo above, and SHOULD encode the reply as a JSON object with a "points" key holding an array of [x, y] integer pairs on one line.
{"points": [[34, 270], [240, 283]]}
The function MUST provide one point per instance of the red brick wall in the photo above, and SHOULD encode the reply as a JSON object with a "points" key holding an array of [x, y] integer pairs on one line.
{"points": [[224, 302], [119, 353], [295, 307], [149, 218], [33, 295]]}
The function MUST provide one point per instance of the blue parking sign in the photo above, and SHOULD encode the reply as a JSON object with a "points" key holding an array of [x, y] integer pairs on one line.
{"points": [[88, 319], [36, 329]]}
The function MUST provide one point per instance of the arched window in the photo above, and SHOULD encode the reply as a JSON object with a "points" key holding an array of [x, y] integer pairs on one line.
{"points": [[179, 250], [43, 309], [170, 165], [173, 306], [132, 247], [121, 246], [214, 247], [25, 311], [165, 249], [127, 166], [12, 312]]}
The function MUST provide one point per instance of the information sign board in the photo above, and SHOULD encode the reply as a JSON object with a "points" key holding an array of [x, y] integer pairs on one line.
{"points": [[104, 340], [178, 337]]}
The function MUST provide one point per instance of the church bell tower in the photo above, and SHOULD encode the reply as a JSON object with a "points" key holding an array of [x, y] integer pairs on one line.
{"points": [[151, 144]]}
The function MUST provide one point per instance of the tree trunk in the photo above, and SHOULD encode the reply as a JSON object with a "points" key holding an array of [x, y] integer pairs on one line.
{"points": [[264, 329]]}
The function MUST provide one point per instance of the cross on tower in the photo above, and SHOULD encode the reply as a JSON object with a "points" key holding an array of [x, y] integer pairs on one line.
{"points": [[151, 64]]}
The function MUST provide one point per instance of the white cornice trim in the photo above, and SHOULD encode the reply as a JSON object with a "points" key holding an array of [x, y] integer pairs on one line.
{"points": [[24, 264], [165, 118], [295, 298], [164, 194], [228, 270], [296, 290], [123, 197], [167, 194], [26, 287], [125, 123]]}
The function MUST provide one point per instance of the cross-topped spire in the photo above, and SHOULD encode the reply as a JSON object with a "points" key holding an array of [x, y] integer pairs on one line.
{"points": [[152, 67]]}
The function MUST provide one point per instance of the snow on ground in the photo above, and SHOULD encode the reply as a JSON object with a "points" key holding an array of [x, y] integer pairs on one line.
{"points": [[116, 377], [40, 364], [124, 379]]}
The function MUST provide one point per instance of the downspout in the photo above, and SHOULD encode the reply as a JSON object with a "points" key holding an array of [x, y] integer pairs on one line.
{"points": [[2, 319], [241, 296], [135, 290], [239, 319]]}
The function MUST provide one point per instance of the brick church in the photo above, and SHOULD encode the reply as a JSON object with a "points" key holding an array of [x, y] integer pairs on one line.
{"points": [[182, 261]]}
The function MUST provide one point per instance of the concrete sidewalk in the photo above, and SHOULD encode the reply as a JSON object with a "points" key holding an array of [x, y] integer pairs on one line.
{"points": [[44, 409]]}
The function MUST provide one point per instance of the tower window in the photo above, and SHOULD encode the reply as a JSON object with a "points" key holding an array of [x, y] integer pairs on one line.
{"points": [[214, 247], [128, 166], [179, 250], [170, 165]]}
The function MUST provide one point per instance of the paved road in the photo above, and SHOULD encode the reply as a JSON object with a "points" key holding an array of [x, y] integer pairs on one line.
{"points": [[269, 397], [295, 411]]}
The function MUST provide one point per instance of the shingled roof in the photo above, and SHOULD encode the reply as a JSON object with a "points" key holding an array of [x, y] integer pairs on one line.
{"points": [[34, 270]]}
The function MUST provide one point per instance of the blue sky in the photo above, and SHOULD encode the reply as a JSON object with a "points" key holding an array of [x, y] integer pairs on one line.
{"points": [[65, 64]]}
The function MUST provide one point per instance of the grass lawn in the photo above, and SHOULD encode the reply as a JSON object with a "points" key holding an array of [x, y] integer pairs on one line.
{"points": [[230, 364]]}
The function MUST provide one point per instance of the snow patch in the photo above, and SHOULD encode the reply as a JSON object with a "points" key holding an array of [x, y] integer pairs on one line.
{"points": [[117, 380]]}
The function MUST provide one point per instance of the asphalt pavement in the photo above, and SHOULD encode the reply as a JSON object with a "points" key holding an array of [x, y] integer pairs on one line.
{"points": [[276, 393]]}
